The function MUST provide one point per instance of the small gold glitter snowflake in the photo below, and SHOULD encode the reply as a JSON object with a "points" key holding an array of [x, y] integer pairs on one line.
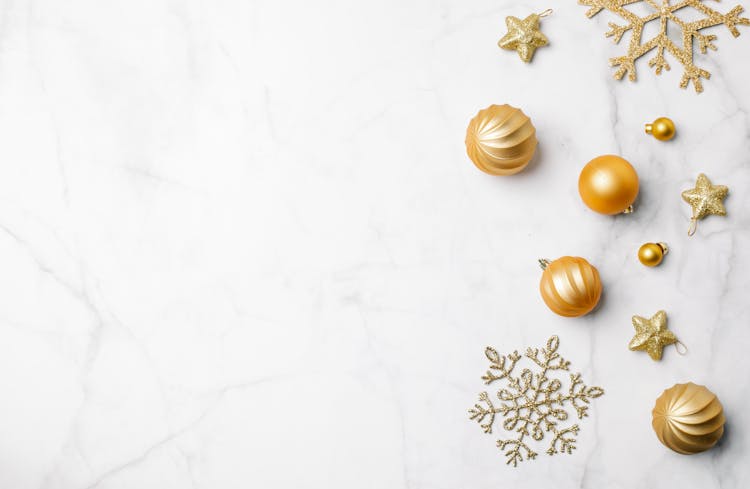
{"points": [[532, 404], [665, 11]]}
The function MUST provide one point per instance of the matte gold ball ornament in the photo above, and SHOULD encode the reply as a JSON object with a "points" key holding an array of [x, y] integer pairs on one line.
{"points": [[662, 129], [608, 184], [501, 140], [688, 418], [652, 254], [570, 286]]}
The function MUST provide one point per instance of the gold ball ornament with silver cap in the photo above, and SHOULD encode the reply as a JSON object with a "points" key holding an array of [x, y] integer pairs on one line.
{"points": [[609, 184]]}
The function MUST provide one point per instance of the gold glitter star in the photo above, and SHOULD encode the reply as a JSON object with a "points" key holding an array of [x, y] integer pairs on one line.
{"points": [[652, 335], [524, 35], [705, 199]]}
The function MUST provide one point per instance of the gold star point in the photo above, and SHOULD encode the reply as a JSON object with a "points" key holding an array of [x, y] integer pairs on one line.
{"points": [[652, 335], [523, 36]]}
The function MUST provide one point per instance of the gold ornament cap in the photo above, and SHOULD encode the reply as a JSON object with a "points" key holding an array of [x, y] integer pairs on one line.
{"points": [[662, 129], [688, 418]]}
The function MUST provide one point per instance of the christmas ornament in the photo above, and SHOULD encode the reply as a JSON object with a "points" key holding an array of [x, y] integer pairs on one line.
{"points": [[524, 35], [570, 286], [501, 140], [666, 13], [532, 404], [662, 129], [651, 254], [705, 199], [688, 418], [608, 185], [652, 335]]}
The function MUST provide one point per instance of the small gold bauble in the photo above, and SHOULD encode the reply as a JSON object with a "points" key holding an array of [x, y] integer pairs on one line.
{"points": [[651, 254], [688, 418], [662, 129], [570, 286], [501, 140], [608, 185]]}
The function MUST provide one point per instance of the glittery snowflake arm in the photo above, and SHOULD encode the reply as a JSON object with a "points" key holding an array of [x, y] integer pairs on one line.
{"points": [[479, 412], [549, 355], [579, 393], [497, 365], [501, 367], [599, 5]]}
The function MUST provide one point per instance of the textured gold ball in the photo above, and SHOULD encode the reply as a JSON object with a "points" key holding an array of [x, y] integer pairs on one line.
{"points": [[608, 185], [651, 254], [570, 286], [688, 418], [501, 140], [662, 129]]}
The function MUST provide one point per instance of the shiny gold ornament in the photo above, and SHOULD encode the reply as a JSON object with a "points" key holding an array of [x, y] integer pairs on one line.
{"points": [[533, 404], [705, 199], [524, 35], [652, 335], [570, 286], [688, 418], [651, 254], [662, 129], [501, 140], [608, 185], [664, 14]]}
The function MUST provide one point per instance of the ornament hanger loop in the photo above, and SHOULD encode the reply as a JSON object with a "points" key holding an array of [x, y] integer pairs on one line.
{"points": [[693, 226], [546, 13], [682, 351]]}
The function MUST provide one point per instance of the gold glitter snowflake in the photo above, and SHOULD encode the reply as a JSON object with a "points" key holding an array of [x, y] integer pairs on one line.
{"points": [[532, 404], [665, 11]]}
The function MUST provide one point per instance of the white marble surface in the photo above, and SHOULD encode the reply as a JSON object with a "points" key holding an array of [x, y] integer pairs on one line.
{"points": [[242, 246]]}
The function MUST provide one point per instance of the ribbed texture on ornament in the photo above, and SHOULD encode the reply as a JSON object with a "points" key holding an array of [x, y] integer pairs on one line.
{"points": [[501, 140], [688, 418], [571, 286]]}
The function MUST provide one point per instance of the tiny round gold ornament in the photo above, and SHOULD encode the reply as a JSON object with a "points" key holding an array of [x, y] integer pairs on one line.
{"points": [[608, 185], [501, 140], [688, 418], [662, 129], [570, 286], [651, 254]]}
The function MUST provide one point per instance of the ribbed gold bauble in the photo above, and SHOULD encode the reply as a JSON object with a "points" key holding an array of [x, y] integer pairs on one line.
{"points": [[570, 286], [651, 254], [662, 129], [608, 185], [501, 140], [688, 418]]}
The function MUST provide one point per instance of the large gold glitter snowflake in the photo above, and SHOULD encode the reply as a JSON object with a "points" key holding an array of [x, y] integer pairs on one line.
{"points": [[665, 11], [532, 404]]}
